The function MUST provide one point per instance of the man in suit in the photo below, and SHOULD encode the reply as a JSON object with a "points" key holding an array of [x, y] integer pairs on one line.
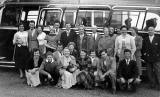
{"points": [[82, 39], [127, 72], [93, 40], [68, 36], [32, 36], [151, 51], [107, 70]]}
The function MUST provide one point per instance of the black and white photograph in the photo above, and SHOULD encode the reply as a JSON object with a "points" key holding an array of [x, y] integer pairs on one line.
{"points": [[79, 48]]}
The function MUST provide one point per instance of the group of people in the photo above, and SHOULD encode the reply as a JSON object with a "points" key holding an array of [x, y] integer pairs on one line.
{"points": [[66, 59]]}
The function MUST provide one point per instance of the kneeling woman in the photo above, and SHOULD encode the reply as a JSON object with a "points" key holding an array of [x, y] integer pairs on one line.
{"points": [[85, 77], [68, 70], [32, 68]]}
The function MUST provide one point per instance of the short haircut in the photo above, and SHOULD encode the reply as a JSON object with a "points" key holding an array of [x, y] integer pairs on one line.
{"points": [[104, 50], [127, 50], [71, 43], [123, 27], [84, 50], [20, 25], [40, 26], [56, 21], [35, 50], [32, 21]]}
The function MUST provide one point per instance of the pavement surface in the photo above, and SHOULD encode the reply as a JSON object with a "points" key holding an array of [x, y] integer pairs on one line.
{"points": [[12, 86]]}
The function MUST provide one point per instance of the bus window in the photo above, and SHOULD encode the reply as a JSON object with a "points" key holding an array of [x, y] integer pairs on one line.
{"points": [[68, 17], [101, 18], [152, 19], [10, 16], [98, 18], [32, 15], [84, 17], [118, 19], [48, 16], [128, 18]]}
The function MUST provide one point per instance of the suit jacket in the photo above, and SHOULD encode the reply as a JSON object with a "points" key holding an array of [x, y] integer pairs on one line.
{"points": [[138, 43], [151, 51], [93, 44], [110, 65], [84, 44], [32, 40], [66, 39], [127, 71]]}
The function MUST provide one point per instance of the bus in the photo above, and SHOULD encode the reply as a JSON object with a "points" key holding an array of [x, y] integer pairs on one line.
{"points": [[76, 12]]}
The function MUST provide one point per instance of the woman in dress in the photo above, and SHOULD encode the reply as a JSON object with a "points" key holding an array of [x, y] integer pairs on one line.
{"points": [[21, 49], [32, 68], [41, 40], [72, 49], [68, 70], [85, 77]]}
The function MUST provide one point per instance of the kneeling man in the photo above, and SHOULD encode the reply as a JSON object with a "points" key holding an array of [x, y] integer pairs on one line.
{"points": [[127, 73]]}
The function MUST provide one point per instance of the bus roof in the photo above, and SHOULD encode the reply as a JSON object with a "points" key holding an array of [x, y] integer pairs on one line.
{"points": [[89, 2]]}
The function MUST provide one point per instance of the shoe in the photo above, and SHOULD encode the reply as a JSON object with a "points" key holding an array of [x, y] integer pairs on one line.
{"points": [[113, 91]]}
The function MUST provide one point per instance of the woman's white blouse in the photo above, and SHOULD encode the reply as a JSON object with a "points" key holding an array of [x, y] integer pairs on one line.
{"points": [[41, 38], [127, 42], [22, 37]]}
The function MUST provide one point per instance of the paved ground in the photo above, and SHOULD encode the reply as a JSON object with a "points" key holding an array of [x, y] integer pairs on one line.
{"points": [[12, 86]]}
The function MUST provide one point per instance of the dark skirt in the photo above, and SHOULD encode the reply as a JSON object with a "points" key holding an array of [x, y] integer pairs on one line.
{"points": [[86, 79], [21, 56]]}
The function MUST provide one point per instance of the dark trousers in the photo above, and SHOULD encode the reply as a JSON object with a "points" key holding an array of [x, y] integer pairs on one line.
{"points": [[154, 73], [55, 77], [127, 86]]}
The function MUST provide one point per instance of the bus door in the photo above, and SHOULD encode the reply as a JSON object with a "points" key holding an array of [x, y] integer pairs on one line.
{"points": [[48, 16], [12, 15]]}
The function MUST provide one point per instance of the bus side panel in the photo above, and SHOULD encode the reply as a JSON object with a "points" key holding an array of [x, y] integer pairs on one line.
{"points": [[6, 43]]}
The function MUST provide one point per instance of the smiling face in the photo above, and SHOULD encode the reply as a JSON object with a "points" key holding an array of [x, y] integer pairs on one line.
{"points": [[81, 30], [39, 29], [127, 55], [66, 52], [49, 58], [151, 31], [103, 54], [106, 31], [93, 54], [56, 25], [68, 27], [21, 28], [83, 54], [71, 47], [124, 31], [31, 25], [111, 30]]}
